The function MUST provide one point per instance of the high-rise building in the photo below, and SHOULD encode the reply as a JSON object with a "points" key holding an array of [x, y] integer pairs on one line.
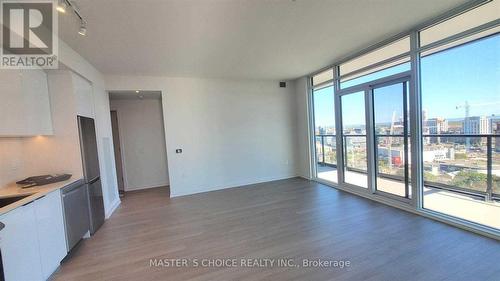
{"points": [[437, 126], [477, 125]]}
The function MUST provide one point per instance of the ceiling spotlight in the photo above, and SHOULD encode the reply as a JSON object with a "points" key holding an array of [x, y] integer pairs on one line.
{"points": [[61, 6], [83, 28], [137, 91]]}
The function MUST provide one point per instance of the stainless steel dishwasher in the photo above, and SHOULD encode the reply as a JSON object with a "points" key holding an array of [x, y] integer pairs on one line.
{"points": [[76, 212]]}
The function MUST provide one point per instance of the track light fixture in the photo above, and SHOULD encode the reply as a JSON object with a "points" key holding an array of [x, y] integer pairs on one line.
{"points": [[83, 28], [64, 5]]}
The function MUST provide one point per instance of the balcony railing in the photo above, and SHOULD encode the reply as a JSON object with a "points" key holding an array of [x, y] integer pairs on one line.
{"points": [[480, 145], [471, 144], [323, 156]]}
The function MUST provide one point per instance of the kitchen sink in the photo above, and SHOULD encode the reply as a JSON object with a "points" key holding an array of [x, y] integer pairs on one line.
{"points": [[9, 200]]}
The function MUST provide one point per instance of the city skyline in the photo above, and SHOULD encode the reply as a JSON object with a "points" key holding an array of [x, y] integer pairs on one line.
{"points": [[362, 126]]}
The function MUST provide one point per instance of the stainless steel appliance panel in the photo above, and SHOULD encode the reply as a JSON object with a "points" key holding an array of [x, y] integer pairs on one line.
{"points": [[76, 213], [88, 145], [96, 203]]}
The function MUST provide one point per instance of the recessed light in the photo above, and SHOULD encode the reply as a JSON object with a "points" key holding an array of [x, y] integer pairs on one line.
{"points": [[137, 92]]}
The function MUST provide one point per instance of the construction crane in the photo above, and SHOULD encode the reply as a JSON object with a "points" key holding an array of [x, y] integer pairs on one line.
{"points": [[466, 105]]}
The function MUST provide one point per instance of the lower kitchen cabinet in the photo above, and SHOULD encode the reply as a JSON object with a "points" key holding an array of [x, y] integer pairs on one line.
{"points": [[50, 229], [33, 241], [19, 245]]}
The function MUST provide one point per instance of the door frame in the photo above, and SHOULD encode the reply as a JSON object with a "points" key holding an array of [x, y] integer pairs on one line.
{"points": [[406, 135], [341, 157], [367, 88], [122, 155]]}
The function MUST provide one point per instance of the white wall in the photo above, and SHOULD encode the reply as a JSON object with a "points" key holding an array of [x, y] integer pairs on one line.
{"points": [[143, 147], [232, 132]]}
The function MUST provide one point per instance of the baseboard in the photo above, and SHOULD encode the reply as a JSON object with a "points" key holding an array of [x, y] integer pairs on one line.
{"points": [[113, 208], [230, 185], [145, 187], [304, 177]]}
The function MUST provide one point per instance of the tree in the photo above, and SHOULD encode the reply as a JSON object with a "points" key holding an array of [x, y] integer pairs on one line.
{"points": [[470, 179], [430, 177]]}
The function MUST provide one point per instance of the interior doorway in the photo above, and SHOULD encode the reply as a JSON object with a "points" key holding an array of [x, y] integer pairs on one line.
{"points": [[139, 140]]}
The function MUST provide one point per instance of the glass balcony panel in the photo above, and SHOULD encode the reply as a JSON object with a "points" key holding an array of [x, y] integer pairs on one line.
{"points": [[391, 165]]}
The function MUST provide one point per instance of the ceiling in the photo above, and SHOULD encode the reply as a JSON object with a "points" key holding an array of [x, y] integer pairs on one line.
{"points": [[247, 39]]}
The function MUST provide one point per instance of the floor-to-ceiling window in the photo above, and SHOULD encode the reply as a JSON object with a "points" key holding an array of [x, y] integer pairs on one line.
{"points": [[419, 119], [461, 120], [325, 143]]}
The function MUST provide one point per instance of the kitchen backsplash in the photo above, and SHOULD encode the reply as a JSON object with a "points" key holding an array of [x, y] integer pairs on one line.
{"points": [[23, 157]]}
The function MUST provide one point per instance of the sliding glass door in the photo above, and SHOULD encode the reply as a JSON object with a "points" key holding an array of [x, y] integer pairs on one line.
{"points": [[375, 137], [391, 135]]}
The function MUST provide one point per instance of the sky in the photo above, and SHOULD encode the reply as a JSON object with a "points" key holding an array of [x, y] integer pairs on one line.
{"points": [[449, 78], [467, 73]]}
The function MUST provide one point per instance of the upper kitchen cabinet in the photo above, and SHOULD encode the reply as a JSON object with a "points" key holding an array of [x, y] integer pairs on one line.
{"points": [[83, 92], [24, 104]]}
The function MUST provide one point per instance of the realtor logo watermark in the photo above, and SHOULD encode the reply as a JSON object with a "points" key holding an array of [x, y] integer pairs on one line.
{"points": [[29, 34]]}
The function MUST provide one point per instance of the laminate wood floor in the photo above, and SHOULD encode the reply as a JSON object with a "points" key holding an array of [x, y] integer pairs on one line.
{"points": [[294, 219]]}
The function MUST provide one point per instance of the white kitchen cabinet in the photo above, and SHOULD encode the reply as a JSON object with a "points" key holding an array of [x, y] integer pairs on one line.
{"points": [[25, 103], [83, 93], [50, 229], [19, 245], [33, 242]]}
